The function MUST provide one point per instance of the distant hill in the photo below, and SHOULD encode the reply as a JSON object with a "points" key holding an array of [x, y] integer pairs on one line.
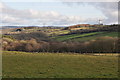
{"points": [[4, 27]]}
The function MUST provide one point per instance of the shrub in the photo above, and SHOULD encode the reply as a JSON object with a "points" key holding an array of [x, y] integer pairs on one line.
{"points": [[101, 44]]}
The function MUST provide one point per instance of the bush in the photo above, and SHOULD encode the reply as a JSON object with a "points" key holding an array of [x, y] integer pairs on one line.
{"points": [[39, 36], [101, 44]]}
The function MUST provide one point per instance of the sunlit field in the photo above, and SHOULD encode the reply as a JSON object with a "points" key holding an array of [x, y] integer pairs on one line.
{"points": [[59, 65]]}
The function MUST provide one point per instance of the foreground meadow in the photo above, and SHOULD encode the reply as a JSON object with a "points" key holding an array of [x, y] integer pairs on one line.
{"points": [[51, 65]]}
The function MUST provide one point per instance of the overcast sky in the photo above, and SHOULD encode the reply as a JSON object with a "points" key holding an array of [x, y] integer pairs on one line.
{"points": [[59, 13]]}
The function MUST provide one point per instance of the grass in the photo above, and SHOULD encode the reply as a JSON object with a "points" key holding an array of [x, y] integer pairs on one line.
{"points": [[72, 36], [82, 39], [112, 34], [86, 36], [47, 65], [82, 28], [58, 32]]}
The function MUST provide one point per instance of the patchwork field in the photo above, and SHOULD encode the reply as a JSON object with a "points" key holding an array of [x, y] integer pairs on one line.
{"points": [[85, 36], [47, 65]]}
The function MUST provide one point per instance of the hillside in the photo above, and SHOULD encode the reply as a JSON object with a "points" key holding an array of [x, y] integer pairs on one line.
{"points": [[59, 39], [85, 37], [58, 52]]}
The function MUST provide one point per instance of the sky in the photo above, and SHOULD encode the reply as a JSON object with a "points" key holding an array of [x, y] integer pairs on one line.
{"points": [[57, 13]]}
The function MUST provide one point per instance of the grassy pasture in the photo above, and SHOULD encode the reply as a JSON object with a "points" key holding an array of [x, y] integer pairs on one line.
{"points": [[51, 65], [72, 36], [58, 32], [83, 39], [82, 28], [85, 36]]}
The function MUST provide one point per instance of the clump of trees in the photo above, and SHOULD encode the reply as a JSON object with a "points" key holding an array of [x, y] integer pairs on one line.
{"points": [[27, 36], [99, 45]]}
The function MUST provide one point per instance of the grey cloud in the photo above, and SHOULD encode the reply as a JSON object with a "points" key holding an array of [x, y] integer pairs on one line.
{"points": [[109, 9]]}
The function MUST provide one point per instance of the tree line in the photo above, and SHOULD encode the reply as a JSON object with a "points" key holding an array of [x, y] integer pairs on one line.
{"points": [[98, 45]]}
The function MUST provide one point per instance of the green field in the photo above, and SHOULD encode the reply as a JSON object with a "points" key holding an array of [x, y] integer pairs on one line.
{"points": [[85, 36], [51, 65], [111, 34]]}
